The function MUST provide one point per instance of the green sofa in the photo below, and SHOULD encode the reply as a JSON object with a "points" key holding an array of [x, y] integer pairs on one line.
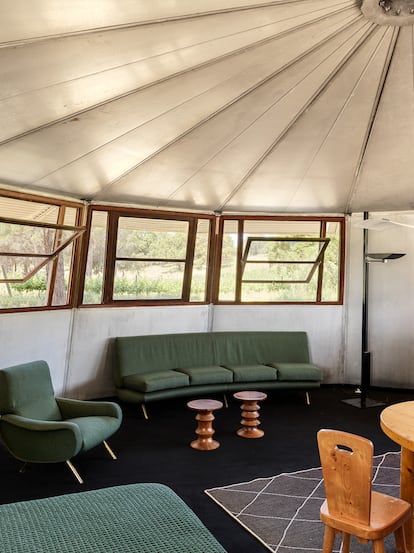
{"points": [[148, 368]]}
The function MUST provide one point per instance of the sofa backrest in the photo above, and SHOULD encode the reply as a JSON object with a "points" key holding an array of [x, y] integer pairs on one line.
{"points": [[143, 354], [261, 347]]}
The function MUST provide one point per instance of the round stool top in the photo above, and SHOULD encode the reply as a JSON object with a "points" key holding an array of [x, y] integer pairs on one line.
{"points": [[250, 396], [204, 404]]}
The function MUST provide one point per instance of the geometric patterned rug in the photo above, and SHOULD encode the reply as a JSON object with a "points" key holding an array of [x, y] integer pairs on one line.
{"points": [[282, 511]]}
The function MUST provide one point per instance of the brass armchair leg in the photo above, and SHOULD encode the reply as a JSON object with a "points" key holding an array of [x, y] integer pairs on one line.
{"points": [[74, 471], [109, 450], [307, 398], [144, 410]]}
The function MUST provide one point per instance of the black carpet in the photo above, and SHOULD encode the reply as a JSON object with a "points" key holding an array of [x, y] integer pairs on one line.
{"points": [[158, 451]]}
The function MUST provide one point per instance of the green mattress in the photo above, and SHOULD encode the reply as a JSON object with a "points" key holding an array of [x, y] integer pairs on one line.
{"points": [[139, 518]]}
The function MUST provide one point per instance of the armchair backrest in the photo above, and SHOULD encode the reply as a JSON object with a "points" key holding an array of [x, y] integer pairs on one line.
{"points": [[27, 390]]}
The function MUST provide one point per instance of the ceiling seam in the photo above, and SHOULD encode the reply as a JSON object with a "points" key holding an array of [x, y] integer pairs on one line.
{"points": [[374, 111], [211, 61]]}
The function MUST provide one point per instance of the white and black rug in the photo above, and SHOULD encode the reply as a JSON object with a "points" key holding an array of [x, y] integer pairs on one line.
{"points": [[282, 511]]}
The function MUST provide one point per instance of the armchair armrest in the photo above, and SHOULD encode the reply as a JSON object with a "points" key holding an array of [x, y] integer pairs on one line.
{"points": [[71, 408], [39, 441]]}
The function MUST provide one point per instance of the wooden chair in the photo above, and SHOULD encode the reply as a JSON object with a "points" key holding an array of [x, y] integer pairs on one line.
{"points": [[351, 507]]}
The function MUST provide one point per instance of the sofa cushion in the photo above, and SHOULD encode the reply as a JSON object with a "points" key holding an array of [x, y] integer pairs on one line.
{"points": [[207, 375], [153, 381], [252, 373], [297, 371]]}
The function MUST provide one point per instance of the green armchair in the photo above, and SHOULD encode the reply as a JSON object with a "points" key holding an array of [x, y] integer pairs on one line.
{"points": [[37, 427]]}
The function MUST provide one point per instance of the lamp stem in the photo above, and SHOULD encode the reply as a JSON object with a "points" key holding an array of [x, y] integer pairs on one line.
{"points": [[365, 354]]}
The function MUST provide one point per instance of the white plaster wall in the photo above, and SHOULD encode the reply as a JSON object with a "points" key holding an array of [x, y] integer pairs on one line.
{"points": [[391, 305], [31, 336]]}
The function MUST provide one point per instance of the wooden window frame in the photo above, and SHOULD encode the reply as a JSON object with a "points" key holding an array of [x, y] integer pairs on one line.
{"points": [[319, 267]]}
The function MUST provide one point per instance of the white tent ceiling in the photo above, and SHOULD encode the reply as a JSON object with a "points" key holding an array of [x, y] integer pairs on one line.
{"points": [[216, 105]]}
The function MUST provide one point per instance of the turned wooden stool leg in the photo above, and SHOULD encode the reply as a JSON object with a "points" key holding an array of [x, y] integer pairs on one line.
{"points": [[250, 414], [205, 417]]}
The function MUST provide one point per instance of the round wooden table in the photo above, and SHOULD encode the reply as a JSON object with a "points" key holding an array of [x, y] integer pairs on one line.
{"points": [[205, 417], [397, 422], [250, 414]]}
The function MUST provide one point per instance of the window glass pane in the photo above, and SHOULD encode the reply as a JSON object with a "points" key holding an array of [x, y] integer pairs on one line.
{"points": [[14, 208], [227, 287], [62, 277], [95, 264], [279, 250], [279, 292], [331, 265], [199, 278], [283, 271], [151, 238], [32, 293], [35, 278], [140, 280]]}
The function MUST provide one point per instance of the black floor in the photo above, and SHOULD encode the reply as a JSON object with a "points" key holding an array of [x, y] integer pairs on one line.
{"points": [[158, 451]]}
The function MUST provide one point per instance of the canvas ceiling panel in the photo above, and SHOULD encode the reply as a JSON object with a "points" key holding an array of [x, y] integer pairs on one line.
{"points": [[241, 157], [176, 165], [53, 17], [387, 173], [74, 73], [314, 129], [325, 194], [55, 61], [87, 139]]}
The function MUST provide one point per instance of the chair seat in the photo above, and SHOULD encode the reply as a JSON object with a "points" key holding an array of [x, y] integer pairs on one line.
{"points": [[387, 512], [95, 430]]}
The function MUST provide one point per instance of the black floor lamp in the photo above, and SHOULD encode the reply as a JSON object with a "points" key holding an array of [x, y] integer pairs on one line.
{"points": [[362, 401]]}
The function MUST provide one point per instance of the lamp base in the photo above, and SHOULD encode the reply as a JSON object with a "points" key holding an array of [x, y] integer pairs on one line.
{"points": [[363, 403]]}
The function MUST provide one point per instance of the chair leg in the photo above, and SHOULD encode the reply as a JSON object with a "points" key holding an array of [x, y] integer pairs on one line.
{"points": [[400, 540], [378, 546], [109, 450], [307, 398], [346, 542], [22, 469], [328, 540], [74, 472], [144, 411]]}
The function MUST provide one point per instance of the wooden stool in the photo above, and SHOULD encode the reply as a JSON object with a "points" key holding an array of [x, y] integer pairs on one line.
{"points": [[205, 417], [250, 416]]}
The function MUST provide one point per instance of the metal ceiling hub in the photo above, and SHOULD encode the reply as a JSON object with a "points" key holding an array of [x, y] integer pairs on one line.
{"points": [[389, 12]]}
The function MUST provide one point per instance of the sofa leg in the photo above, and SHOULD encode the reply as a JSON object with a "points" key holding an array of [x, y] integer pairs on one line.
{"points": [[226, 404], [144, 410], [23, 468], [307, 398], [74, 472], [109, 450]]}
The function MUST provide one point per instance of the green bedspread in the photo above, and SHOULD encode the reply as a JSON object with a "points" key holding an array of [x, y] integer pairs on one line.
{"points": [[139, 518]]}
